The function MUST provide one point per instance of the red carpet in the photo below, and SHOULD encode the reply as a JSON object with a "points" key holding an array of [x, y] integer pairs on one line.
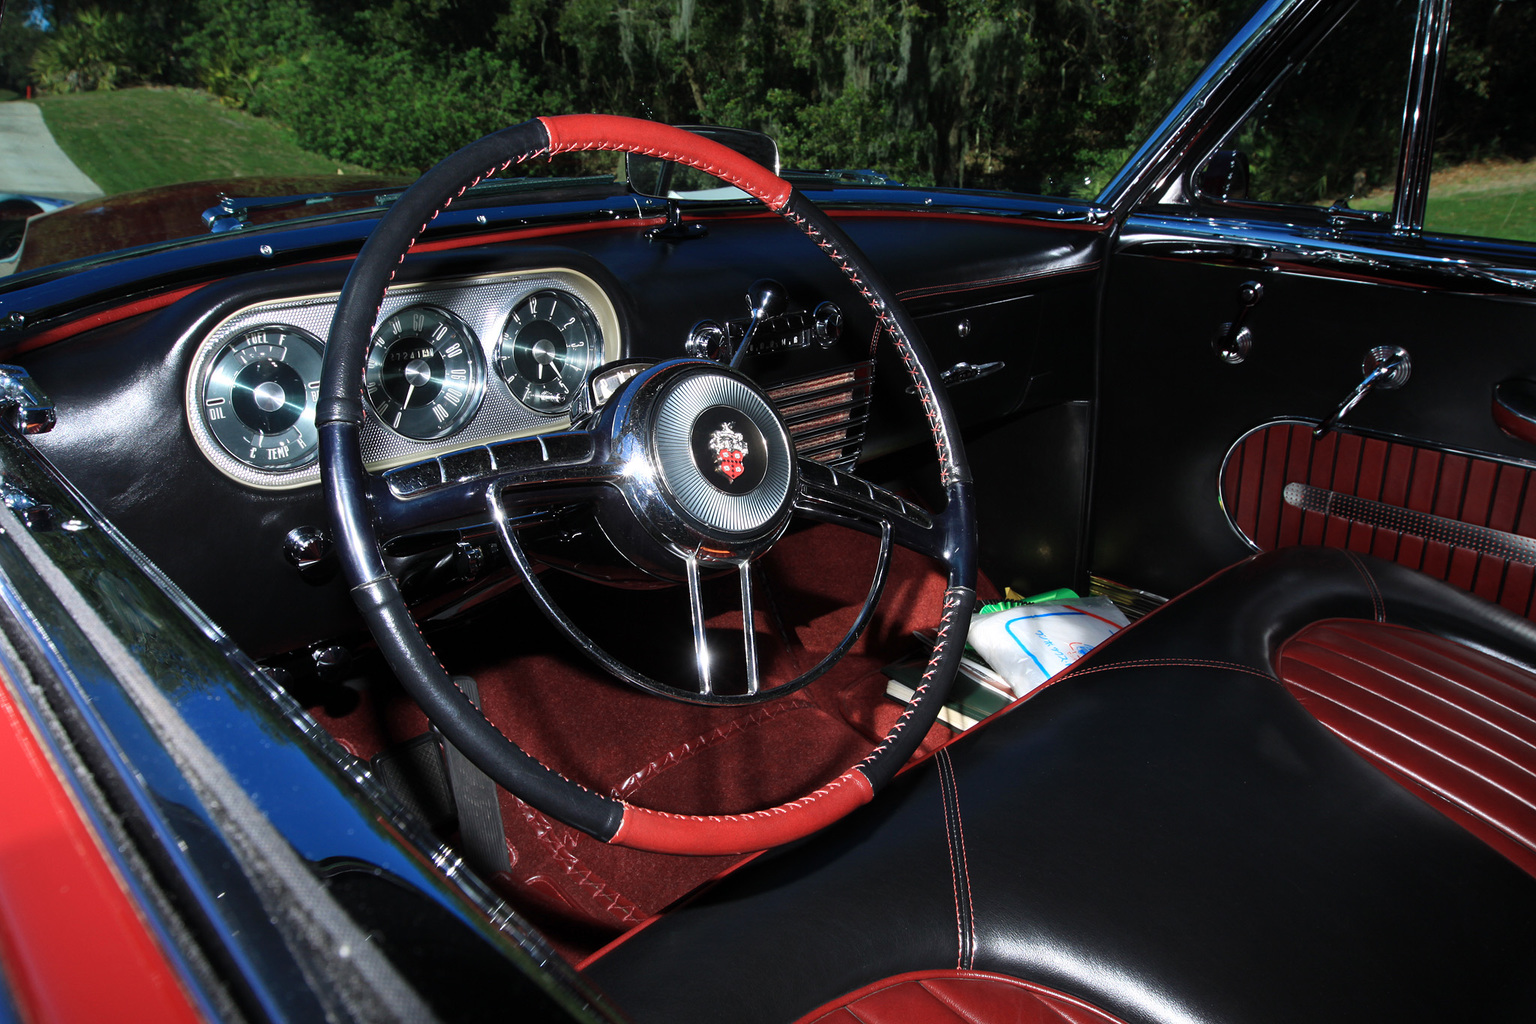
{"points": [[661, 753]]}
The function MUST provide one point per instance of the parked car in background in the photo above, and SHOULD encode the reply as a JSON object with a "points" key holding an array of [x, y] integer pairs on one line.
{"points": [[430, 605]]}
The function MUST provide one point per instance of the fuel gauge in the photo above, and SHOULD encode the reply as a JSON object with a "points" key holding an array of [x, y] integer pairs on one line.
{"points": [[259, 400]]}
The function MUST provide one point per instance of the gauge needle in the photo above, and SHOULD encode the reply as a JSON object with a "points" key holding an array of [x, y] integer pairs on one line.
{"points": [[410, 389]]}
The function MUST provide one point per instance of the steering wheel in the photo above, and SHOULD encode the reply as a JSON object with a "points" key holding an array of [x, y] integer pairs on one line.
{"points": [[646, 460]]}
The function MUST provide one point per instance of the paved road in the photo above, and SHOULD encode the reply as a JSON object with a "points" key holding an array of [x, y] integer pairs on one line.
{"points": [[32, 163]]}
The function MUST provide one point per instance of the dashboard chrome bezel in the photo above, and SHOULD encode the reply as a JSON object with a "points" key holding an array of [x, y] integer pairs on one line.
{"points": [[480, 301]]}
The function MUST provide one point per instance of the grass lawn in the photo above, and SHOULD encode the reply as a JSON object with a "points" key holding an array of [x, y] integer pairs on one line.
{"points": [[1489, 200], [137, 138], [8, 94], [1484, 200]]}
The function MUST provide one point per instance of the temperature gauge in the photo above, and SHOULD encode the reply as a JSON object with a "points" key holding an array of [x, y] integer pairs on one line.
{"points": [[259, 400]]}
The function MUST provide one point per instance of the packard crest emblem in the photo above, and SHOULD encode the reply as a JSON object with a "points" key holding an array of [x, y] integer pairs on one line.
{"points": [[730, 449]]}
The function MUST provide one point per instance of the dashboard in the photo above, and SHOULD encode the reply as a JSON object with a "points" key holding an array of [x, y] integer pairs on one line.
{"points": [[189, 424]]}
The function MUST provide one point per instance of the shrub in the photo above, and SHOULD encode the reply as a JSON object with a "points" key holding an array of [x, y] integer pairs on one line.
{"points": [[94, 51], [19, 40], [388, 108]]}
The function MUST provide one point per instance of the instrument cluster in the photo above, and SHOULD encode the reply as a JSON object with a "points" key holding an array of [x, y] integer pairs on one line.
{"points": [[449, 364]]}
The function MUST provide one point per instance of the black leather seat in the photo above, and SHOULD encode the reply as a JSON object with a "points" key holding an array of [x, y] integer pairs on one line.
{"points": [[1165, 833]]}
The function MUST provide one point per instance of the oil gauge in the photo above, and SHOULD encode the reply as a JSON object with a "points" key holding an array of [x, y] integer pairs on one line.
{"points": [[259, 400]]}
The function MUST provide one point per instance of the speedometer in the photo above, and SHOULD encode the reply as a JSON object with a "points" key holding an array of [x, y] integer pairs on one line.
{"points": [[550, 341], [425, 373]]}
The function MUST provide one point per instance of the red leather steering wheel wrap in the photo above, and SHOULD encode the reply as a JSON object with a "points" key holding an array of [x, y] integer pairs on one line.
{"points": [[577, 132], [661, 832]]}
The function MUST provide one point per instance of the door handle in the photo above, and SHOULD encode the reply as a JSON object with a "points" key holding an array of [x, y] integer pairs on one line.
{"points": [[1514, 409], [962, 372]]}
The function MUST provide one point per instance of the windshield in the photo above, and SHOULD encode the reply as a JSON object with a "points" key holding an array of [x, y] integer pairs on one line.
{"points": [[111, 98]]}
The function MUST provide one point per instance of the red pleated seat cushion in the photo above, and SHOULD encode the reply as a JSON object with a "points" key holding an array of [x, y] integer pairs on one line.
{"points": [[1455, 726], [956, 997]]}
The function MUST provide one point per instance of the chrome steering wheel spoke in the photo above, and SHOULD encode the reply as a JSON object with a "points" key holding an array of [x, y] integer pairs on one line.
{"points": [[547, 470], [834, 496], [700, 639], [704, 690]]}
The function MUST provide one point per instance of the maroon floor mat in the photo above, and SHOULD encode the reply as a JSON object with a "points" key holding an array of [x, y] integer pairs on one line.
{"points": [[661, 753]]}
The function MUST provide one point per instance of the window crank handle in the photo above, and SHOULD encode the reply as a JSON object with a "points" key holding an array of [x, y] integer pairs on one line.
{"points": [[1386, 367]]}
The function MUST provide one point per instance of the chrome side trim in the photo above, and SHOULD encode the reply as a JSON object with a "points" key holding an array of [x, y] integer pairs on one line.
{"points": [[1452, 532], [1287, 246]]}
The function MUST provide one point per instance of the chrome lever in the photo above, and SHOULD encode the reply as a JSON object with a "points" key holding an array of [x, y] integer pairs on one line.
{"points": [[962, 372], [1386, 367]]}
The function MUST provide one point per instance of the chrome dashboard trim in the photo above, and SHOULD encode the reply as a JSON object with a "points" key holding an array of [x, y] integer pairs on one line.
{"points": [[482, 302]]}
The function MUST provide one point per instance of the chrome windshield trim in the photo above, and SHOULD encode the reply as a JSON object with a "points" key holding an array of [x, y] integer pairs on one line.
{"points": [[1147, 170]]}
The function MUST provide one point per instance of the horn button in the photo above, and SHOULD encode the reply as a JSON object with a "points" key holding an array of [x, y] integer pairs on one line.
{"points": [[728, 450], [710, 467]]}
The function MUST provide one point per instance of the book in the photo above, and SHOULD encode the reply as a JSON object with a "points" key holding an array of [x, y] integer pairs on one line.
{"points": [[971, 698]]}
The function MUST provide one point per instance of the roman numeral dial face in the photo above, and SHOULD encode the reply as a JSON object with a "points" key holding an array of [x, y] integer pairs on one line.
{"points": [[550, 341], [425, 373], [259, 401]]}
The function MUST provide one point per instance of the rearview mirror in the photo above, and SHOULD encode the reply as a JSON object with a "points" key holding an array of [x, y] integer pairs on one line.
{"points": [[663, 179]]}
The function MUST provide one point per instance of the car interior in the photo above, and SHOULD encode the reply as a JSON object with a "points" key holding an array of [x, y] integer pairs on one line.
{"points": [[601, 569]]}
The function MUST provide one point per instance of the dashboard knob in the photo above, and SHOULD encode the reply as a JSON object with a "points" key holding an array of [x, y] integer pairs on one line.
{"points": [[309, 550], [767, 298], [707, 340], [827, 324]]}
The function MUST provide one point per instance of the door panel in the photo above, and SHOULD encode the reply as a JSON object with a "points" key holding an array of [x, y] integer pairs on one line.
{"points": [[1460, 518], [1170, 408]]}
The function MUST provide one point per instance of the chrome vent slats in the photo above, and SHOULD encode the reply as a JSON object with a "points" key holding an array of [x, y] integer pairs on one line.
{"points": [[827, 413]]}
